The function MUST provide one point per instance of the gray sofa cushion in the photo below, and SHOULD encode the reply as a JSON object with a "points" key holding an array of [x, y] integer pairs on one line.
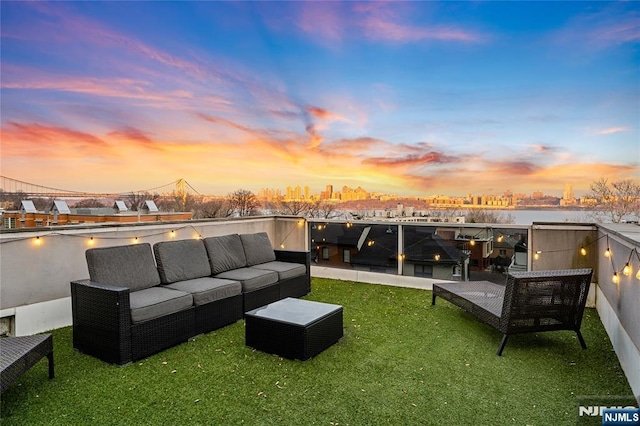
{"points": [[225, 253], [181, 260], [251, 278], [206, 290], [129, 266], [285, 270], [157, 302], [257, 248]]}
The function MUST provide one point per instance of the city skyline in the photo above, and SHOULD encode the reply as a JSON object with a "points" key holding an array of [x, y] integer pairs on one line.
{"points": [[406, 98]]}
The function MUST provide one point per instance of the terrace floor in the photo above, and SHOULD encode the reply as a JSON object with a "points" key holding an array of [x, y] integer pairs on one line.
{"points": [[401, 361]]}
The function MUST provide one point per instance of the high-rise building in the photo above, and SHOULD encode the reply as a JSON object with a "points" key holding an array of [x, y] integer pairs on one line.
{"points": [[568, 198]]}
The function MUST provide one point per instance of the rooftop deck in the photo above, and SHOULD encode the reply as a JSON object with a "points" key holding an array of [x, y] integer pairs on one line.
{"points": [[400, 359]]}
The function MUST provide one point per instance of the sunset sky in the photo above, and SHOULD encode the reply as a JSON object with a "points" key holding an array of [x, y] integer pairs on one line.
{"points": [[409, 98]]}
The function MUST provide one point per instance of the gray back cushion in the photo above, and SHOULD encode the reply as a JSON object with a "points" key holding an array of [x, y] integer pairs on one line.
{"points": [[225, 253], [257, 248], [181, 260], [123, 266]]}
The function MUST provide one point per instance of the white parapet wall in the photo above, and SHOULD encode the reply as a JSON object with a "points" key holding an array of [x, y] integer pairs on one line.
{"points": [[628, 353]]}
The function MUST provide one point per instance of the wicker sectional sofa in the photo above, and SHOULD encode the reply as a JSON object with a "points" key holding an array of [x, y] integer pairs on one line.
{"points": [[140, 299]]}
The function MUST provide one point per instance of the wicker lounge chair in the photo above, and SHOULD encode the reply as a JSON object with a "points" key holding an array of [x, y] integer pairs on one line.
{"points": [[529, 302], [19, 354]]}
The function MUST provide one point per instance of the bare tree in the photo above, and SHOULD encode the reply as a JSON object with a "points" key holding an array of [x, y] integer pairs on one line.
{"points": [[211, 209], [294, 208], [12, 200], [137, 199], [488, 216], [243, 203], [616, 200], [180, 202], [323, 210], [89, 203]]}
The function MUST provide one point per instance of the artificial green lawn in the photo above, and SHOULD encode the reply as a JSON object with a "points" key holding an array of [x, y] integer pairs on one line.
{"points": [[401, 361]]}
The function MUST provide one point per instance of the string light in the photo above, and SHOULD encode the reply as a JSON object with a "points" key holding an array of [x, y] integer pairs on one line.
{"points": [[37, 241], [401, 257], [583, 251], [172, 234], [370, 243], [437, 257], [607, 252], [626, 270], [615, 279], [472, 242], [91, 241], [536, 256]]}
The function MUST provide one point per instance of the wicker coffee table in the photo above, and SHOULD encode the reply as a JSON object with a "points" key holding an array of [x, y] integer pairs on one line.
{"points": [[294, 328], [19, 354]]}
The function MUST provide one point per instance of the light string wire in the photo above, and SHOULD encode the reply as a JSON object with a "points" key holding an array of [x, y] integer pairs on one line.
{"points": [[96, 237]]}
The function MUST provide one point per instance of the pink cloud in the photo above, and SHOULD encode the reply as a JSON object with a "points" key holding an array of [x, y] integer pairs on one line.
{"points": [[36, 142], [137, 136], [385, 21], [612, 130], [379, 28], [601, 29], [411, 160]]}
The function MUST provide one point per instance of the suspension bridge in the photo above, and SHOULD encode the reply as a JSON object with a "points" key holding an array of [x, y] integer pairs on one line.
{"points": [[9, 186]]}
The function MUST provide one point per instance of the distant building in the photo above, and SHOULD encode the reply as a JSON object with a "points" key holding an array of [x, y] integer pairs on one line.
{"points": [[60, 214], [568, 199]]}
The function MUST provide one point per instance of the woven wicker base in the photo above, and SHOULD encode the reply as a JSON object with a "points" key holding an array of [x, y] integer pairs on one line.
{"points": [[19, 354], [294, 328]]}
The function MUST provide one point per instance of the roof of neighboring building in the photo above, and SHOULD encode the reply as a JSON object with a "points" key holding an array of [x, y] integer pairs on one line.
{"points": [[27, 206], [60, 206]]}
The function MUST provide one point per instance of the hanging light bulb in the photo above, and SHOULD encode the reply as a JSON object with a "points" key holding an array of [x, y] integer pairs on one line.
{"points": [[583, 251], [437, 257], [536, 256], [638, 275], [627, 269], [500, 238], [607, 252], [472, 242], [615, 279]]}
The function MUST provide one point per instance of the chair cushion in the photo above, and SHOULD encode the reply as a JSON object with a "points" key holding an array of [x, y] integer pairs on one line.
{"points": [[251, 278], [156, 302], [206, 290], [129, 266], [181, 260], [225, 253], [257, 248], [285, 270]]}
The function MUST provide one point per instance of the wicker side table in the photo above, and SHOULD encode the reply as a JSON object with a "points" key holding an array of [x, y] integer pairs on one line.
{"points": [[19, 354], [294, 328]]}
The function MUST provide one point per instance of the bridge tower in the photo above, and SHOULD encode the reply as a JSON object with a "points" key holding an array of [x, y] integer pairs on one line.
{"points": [[181, 190]]}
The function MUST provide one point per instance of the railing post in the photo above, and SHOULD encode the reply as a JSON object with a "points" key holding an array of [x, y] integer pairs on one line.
{"points": [[400, 249]]}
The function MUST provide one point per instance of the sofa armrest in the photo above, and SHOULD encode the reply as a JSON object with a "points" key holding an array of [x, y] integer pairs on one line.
{"points": [[303, 257], [101, 320]]}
